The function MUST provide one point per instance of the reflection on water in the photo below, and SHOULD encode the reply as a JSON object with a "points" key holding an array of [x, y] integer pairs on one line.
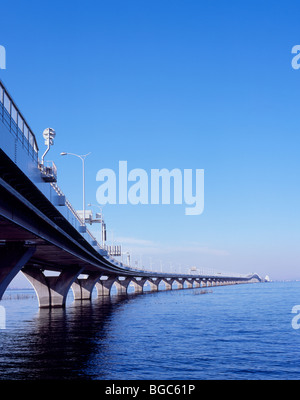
{"points": [[57, 343]]}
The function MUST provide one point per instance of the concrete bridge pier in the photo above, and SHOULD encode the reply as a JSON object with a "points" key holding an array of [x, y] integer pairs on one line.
{"points": [[122, 285], [104, 286], [51, 290], [13, 257], [203, 283], [196, 283], [168, 283], [189, 283], [138, 285], [180, 283], [154, 284], [82, 288]]}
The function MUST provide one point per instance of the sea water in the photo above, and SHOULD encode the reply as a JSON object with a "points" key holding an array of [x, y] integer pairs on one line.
{"points": [[227, 332]]}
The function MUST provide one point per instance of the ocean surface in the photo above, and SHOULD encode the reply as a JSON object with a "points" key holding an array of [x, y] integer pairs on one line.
{"points": [[228, 333]]}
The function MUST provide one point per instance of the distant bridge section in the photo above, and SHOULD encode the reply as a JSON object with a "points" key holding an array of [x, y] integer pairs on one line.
{"points": [[40, 231]]}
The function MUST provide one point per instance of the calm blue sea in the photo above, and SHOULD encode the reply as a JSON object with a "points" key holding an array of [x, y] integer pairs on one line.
{"points": [[229, 332]]}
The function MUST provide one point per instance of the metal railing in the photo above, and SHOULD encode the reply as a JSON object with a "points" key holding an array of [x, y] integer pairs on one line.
{"points": [[16, 123], [113, 250], [74, 213]]}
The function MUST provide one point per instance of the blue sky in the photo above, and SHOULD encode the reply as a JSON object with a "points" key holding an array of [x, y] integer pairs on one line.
{"points": [[171, 84]]}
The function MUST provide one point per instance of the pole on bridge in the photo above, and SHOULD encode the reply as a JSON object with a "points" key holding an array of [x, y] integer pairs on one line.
{"points": [[82, 157]]}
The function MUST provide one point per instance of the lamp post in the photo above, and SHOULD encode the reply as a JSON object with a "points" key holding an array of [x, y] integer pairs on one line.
{"points": [[82, 157]]}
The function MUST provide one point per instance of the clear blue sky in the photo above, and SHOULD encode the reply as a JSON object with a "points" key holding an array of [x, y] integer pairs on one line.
{"points": [[171, 84]]}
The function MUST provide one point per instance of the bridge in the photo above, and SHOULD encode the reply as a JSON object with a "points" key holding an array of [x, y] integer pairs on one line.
{"points": [[40, 231]]}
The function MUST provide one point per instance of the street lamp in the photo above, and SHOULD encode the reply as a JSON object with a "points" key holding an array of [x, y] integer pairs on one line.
{"points": [[82, 157]]}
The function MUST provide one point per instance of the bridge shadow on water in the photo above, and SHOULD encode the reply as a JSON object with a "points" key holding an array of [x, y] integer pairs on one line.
{"points": [[60, 343]]}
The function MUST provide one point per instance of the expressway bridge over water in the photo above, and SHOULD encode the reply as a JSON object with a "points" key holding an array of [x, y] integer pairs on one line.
{"points": [[40, 231]]}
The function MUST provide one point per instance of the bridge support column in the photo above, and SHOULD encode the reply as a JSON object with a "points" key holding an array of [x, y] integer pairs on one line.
{"points": [[13, 257], [154, 284], [179, 284], [197, 283], [51, 290], [104, 286], [203, 283], [168, 283], [138, 285], [122, 285], [189, 284], [82, 288]]}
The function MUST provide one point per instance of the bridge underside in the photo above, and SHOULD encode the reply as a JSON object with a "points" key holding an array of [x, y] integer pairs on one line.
{"points": [[46, 254]]}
